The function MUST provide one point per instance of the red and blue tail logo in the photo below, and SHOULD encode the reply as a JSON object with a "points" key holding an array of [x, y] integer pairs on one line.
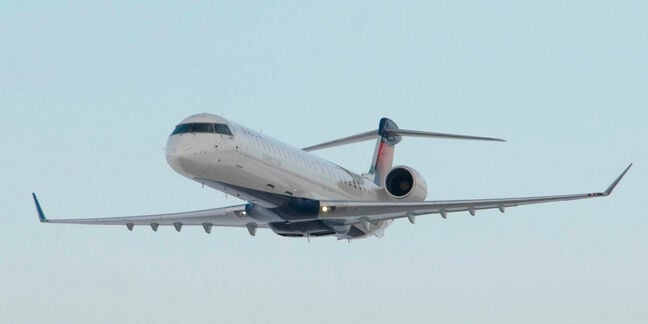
{"points": [[384, 153]]}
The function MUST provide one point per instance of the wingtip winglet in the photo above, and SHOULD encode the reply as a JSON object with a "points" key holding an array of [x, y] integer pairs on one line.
{"points": [[609, 190], [39, 210]]}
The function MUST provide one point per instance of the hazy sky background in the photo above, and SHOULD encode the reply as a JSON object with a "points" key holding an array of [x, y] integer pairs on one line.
{"points": [[90, 91]]}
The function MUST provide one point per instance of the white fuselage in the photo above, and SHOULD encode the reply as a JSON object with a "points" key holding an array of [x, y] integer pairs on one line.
{"points": [[296, 194], [264, 171]]}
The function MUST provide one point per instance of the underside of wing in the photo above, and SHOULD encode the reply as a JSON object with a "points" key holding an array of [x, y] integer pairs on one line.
{"points": [[234, 216], [354, 212]]}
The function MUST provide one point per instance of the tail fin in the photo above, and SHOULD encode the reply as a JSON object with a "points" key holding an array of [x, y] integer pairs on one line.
{"points": [[384, 153]]}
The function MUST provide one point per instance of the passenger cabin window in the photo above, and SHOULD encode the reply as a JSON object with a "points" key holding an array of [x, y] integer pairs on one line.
{"points": [[202, 128]]}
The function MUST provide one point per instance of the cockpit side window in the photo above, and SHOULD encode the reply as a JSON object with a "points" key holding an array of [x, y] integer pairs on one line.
{"points": [[181, 129], [222, 129], [202, 128]]}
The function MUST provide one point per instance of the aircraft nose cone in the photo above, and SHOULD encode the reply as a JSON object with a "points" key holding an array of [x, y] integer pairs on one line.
{"points": [[187, 164], [174, 160], [183, 158]]}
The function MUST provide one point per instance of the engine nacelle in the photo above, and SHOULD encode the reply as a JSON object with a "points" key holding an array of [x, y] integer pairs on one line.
{"points": [[404, 183]]}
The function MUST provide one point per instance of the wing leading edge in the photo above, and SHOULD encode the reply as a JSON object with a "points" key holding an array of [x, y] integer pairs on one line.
{"points": [[354, 212], [234, 216]]}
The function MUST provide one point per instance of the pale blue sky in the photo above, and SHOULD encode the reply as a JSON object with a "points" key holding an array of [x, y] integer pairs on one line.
{"points": [[90, 91]]}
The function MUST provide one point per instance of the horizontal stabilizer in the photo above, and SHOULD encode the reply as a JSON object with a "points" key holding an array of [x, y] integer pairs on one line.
{"points": [[372, 135], [413, 133]]}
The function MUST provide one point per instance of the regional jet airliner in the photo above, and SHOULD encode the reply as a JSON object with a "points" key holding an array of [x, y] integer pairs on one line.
{"points": [[297, 194]]}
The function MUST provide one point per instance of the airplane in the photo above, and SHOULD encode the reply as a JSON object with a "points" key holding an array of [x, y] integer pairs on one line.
{"points": [[298, 194]]}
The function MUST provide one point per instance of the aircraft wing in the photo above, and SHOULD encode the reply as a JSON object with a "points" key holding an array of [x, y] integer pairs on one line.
{"points": [[355, 212], [234, 216], [338, 211]]}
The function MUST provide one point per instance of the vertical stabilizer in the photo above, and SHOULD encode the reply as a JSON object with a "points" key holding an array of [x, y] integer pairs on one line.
{"points": [[384, 152]]}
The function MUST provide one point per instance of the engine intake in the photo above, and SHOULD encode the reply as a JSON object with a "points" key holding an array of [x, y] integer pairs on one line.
{"points": [[404, 183]]}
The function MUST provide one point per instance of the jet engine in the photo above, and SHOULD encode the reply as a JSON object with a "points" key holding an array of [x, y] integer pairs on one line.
{"points": [[404, 183]]}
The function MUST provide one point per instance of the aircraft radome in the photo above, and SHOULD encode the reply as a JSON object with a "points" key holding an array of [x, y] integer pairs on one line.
{"points": [[297, 194]]}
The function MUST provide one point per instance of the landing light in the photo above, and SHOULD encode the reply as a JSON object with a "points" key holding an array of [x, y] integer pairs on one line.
{"points": [[327, 209]]}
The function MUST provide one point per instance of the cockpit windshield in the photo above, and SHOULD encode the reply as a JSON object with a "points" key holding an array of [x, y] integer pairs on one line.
{"points": [[202, 128]]}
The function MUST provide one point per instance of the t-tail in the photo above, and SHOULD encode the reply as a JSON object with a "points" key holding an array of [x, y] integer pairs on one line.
{"points": [[388, 135]]}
